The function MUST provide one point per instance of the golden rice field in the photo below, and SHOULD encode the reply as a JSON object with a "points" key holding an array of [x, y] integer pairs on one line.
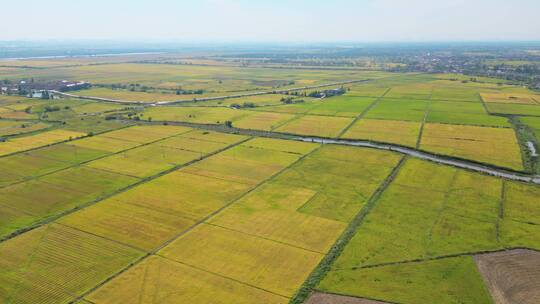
{"points": [[496, 146]]}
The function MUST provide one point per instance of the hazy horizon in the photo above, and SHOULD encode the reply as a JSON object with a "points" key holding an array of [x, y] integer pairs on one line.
{"points": [[278, 21]]}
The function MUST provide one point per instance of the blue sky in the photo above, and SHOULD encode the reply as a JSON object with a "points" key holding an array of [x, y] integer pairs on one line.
{"points": [[274, 21]]}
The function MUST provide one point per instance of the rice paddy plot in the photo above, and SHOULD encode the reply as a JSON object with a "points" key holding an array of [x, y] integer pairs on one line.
{"points": [[145, 161], [511, 98], [520, 226], [428, 211], [145, 134], [323, 126], [390, 131], [396, 109], [103, 143], [514, 109], [271, 212], [452, 92], [468, 119], [343, 179], [10, 128], [289, 146], [35, 141], [444, 281], [457, 107], [263, 121], [33, 163], [414, 91], [254, 261], [96, 107], [366, 91], [205, 115], [209, 136], [135, 225], [243, 164], [160, 280], [56, 264], [182, 194], [17, 115], [497, 146], [56, 193], [345, 106], [298, 108]]}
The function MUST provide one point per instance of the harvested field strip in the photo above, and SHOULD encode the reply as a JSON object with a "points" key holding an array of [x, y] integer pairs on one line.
{"points": [[328, 298], [511, 276], [55, 264]]}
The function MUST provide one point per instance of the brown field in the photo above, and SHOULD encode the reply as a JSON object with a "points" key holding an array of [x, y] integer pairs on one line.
{"points": [[327, 298], [512, 276]]}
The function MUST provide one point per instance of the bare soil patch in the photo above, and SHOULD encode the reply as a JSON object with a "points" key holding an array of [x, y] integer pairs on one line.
{"points": [[513, 276], [326, 298]]}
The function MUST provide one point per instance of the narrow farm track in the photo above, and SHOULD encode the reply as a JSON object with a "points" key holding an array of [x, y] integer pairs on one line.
{"points": [[172, 102], [412, 152]]}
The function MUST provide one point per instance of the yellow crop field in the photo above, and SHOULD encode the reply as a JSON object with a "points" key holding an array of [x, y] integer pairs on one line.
{"points": [[131, 224], [182, 194], [160, 280], [56, 264], [103, 143], [323, 126], [263, 121], [391, 131], [206, 115], [271, 212], [496, 146], [255, 261], [213, 136], [17, 115], [243, 164], [144, 134], [290, 146], [96, 107], [35, 141], [519, 98], [146, 160], [17, 127]]}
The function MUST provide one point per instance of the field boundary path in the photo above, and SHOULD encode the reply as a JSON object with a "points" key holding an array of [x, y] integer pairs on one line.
{"points": [[172, 102], [412, 152]]}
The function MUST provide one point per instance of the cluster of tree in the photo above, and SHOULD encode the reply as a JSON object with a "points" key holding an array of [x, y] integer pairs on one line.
{"points": [[291, 100], [244, 105], [189, 92]]}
